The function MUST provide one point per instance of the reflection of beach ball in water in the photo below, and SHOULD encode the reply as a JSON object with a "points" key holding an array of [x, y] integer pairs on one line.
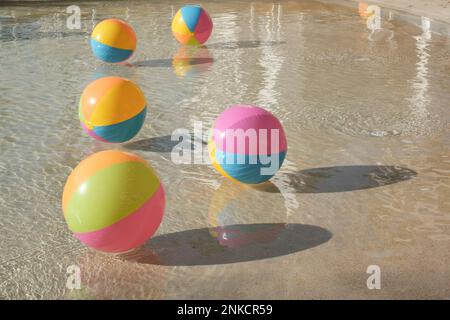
{"points": [[112, 109], [113, 201], [113, 40], [191, 60], [228, 224], [248, 144], [192, 25], [362, 9]]}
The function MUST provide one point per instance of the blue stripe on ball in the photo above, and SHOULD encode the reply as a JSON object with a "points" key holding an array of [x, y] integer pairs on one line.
{"points": [[109, 54], [190, 15], [240, 168], [122, 131]]}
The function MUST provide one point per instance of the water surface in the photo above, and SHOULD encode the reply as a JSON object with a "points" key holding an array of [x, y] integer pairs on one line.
{"points": [[365, 181]]}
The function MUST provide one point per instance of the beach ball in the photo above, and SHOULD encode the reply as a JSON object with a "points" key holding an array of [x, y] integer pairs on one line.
{"points": [[112, 109], [248, 144], [113, 201], [113, 40], [192, 25], [191, 60]]}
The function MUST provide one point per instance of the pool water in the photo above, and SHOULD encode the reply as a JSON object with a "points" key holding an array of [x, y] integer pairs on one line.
{"points": [[366, 180]]}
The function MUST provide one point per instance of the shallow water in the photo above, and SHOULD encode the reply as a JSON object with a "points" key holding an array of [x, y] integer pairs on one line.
{"points": [[365, 181]]}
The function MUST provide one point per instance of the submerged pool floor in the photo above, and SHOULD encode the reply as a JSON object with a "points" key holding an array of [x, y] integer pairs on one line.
{"points": [[366, 180]]}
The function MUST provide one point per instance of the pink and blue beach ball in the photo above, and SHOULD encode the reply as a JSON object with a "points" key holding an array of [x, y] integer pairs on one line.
{"points": [[113, 40], [248, 144]]}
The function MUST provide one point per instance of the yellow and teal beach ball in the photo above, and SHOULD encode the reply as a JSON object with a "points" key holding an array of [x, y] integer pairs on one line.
{"points": [[113, 201], [113, 40], [192, 25], [112, 109]]}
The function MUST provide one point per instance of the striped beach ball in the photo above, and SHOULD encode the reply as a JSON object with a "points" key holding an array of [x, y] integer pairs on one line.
{"points": [[112, 109], [192, 25], [248, 144], [113, 201], [113, 40]]}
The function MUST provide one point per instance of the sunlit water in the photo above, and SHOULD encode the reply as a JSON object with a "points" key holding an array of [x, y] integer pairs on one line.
{"points": [[365, 182]]}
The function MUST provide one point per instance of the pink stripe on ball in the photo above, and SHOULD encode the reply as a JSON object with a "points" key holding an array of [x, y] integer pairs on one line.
{"points": [[203, 28], [130, 232], [247, 117], [92, 133]]}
